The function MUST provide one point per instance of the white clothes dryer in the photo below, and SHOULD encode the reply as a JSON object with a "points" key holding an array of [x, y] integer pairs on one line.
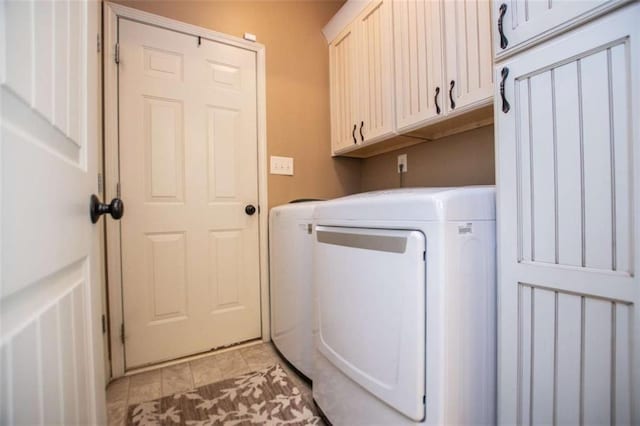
{"points": [[405, 306]]}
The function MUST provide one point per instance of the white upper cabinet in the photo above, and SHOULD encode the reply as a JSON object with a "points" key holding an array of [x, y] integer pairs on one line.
{"points": [[411, 64], [443, 60], [467, 35], [420, 90], [375, 62], [362, 79], [343, 85], [522, 21]]}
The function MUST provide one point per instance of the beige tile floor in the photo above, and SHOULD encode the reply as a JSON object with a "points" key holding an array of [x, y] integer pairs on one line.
{"points": [[191, 374]]}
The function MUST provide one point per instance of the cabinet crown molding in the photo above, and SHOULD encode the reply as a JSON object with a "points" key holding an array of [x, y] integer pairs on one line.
{"points": [[347, 13]]}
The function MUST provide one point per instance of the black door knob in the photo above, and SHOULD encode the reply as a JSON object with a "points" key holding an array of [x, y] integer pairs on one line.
{"points": [[250, 209], [96, 208]]}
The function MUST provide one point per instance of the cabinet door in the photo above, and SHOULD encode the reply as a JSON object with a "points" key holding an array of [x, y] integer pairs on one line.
{"points": [[568, 203], [375, 67], [469, 76], [525, 20], [343, 76], [420, 90]]}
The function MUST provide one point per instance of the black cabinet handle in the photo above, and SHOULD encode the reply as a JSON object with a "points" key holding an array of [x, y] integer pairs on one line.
{"points": [[505, 104], [503, 40], [453, 103], [435, 100], [361, 135], [250, 209], [97, 208], [353, 133]]}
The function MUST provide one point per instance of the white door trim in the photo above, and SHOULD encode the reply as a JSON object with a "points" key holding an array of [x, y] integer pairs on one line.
{"points": [[112, 13]]}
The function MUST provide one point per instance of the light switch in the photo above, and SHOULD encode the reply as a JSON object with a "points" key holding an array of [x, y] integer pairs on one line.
{"points": [[281, 165]]}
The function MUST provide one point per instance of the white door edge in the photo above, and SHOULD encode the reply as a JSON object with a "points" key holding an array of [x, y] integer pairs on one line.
{"points": [[112, 13]]}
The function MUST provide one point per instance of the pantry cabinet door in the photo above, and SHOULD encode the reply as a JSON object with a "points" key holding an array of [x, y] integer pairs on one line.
{"points": [[525, 20], [568, 236], [343, 88], [469, 75], [418, 57]]}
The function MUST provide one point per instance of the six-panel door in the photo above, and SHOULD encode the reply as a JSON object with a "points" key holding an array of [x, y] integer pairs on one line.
{"points": [[188, 168], [567, 227]]}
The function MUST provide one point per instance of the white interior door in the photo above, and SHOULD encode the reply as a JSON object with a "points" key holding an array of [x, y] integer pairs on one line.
{"points": [[188, 168], [568, 228], [51, 366]]}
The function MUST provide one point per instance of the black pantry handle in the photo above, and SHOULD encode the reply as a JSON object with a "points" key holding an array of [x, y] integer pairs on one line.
{"points": [[435, 100], [505, 104], [503, 40], [361, 135], [353, 133], [97, 208], [451, 86]]}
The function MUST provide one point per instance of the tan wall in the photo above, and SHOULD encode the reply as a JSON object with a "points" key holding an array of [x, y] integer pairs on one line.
{"points": [[297, 85], [298, 104], [463, 159]]}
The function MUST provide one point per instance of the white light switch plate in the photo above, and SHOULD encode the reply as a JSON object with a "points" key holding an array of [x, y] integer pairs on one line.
{"points": [[281, 165]]}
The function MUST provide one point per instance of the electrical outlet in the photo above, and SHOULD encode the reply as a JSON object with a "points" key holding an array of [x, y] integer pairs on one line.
{"points": [[402, 160], [281, 165]]}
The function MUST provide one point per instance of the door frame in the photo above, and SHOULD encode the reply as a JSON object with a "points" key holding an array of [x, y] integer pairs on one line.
{"points": [[112, 14]]}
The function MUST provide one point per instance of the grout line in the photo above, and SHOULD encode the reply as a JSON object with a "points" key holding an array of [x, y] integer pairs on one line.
{"points": [[193, 378], [126, 400], [190, 358], [162, 371]]}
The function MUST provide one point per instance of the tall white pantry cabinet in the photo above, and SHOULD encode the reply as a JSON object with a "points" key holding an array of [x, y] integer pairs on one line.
{"points": [[567, 115]]}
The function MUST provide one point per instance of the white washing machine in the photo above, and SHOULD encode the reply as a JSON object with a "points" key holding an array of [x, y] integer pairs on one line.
{"points": [[290, 265], [405, 284]]}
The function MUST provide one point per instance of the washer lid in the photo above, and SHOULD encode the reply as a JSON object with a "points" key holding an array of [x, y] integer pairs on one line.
{"points": [[413, 204]]}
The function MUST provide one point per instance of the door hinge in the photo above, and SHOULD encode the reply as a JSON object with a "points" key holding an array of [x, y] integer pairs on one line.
{"points": [[100, 183], [424, 256], [122, 333], [99, 46], [117, 53], [104, 324]]}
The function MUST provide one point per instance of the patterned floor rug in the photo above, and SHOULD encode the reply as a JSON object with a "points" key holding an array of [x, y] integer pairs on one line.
{"points": [[264, 397]]}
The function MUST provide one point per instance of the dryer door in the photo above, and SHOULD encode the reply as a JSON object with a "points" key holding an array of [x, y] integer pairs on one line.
{"points": [[371, 310]]}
